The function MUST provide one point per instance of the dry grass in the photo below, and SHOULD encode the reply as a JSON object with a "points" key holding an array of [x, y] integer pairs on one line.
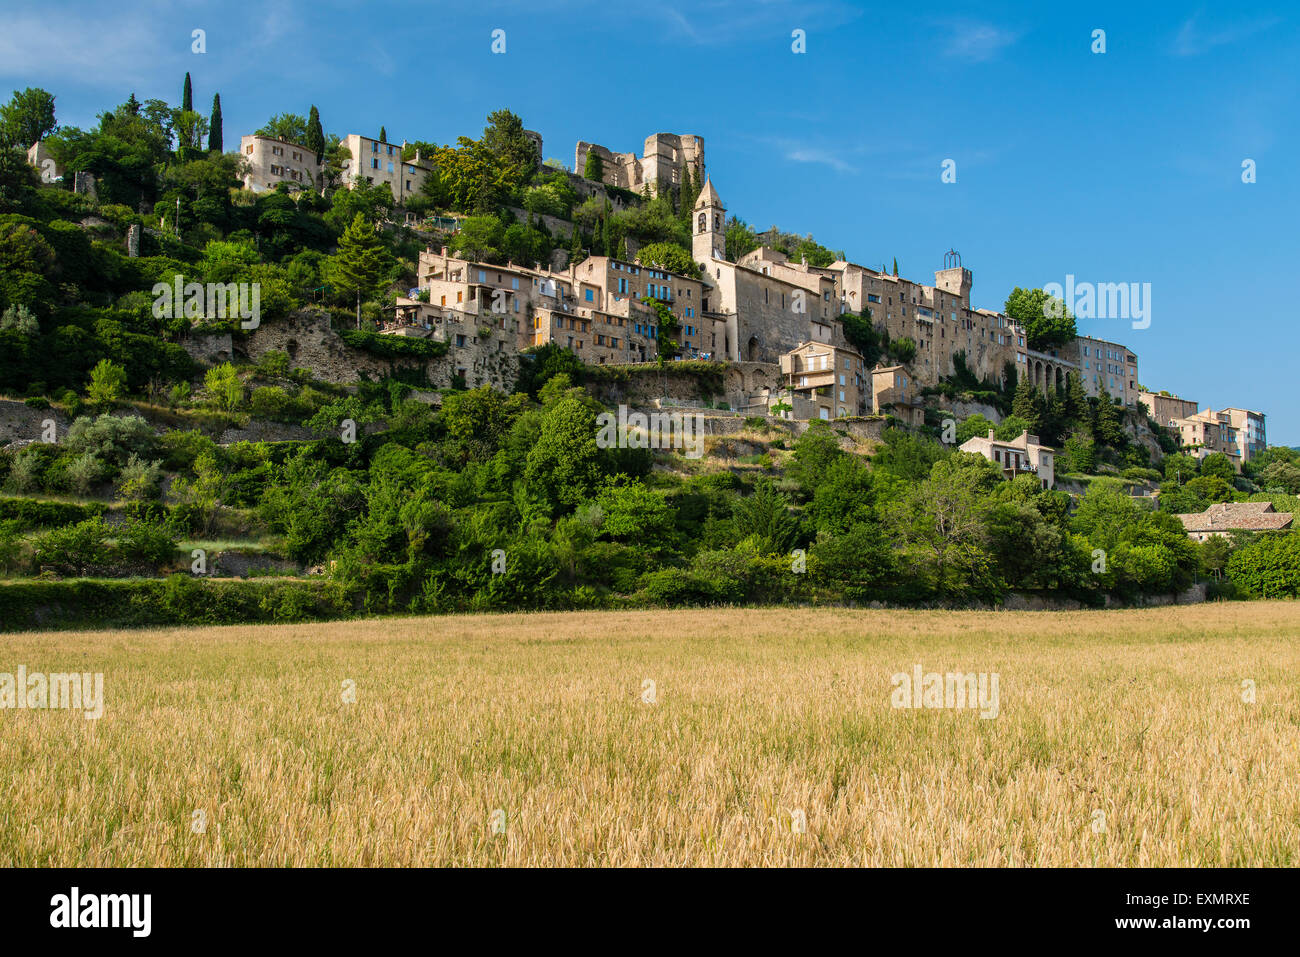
{"points": [[760, 713]]}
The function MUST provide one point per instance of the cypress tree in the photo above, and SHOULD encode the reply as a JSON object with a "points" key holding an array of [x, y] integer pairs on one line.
{"points": [[187, 96], [1028, 404], [383, 134], [215, 139], [315, 134], [895, 265], [1109, 430], [575, 246]]}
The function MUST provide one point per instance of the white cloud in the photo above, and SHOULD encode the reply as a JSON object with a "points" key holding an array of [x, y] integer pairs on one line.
{"points": [[975, 41], [1193, 38], [824, 157]]}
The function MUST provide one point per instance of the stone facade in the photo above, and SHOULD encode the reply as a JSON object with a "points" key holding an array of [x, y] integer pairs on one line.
{"points": [[893, 392], [593, 307], [40, 157], [1020, 456], [1107, 367], [269, 161], [830, 380], [377, 162], [661, 165]]}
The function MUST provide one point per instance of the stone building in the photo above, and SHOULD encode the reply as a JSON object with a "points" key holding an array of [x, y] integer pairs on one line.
{"points": [[767, 306], [825, 382], [1165, 408], [1237, 433], [40, 157], [378, 162], [893, 392], [662, 164], [594, 308], [1106, 366], [269, 161], [1223, 518], [1021, 456], [1251, 439]]}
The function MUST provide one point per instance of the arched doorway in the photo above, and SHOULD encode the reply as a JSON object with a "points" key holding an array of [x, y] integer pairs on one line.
{"points": [[751, 350]]}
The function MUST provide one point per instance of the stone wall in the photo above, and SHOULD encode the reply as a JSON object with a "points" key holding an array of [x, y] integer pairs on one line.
{"points": [[20, 423], [312, 344]]}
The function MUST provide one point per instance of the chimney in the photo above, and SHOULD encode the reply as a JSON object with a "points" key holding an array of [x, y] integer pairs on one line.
{"points": [[992, 434], [444, 250]]}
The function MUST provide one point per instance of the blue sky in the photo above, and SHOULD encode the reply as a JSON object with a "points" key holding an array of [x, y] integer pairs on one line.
{"points": [[1123, 166]]}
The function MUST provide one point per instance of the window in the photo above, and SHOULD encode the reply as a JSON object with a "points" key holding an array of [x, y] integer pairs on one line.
{"points": [[374, 164], [482, 276], [590, 296]]}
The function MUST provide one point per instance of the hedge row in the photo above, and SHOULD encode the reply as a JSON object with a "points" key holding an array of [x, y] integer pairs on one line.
{"points": [[33, 513], [180, 599]]}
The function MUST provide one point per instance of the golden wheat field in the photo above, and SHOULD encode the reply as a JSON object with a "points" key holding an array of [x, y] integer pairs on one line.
{"points": [[767, 738]]}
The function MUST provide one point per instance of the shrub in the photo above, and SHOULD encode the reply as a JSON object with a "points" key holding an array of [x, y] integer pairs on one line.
{"points": [[113, 438], [32, 514], [1268, 567], [74, 548], [143, 543]]}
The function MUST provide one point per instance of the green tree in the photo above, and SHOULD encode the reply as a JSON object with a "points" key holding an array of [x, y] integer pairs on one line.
{"points": [[315, 138], [107, 383], [942, 521], [594, 168], [187, 96], [740, 239], [1109, 426], [480, 238], [563, 468], [1268, 567], [668, 256], [765, 517], [289, 127], [1029, 405], [224, 386], [26, 118], [1046, 319], [362, 263], [514, 154], [216, 142], [1218, 465]]}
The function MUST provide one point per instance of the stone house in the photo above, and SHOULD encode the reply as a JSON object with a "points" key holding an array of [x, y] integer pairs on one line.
{"points": [[1224, 517], [829, 380], [269, 161], [1020, 456]]}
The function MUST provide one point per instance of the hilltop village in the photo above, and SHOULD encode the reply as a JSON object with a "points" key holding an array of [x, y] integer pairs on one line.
{"points": [[780, 318], [386, 375]]}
